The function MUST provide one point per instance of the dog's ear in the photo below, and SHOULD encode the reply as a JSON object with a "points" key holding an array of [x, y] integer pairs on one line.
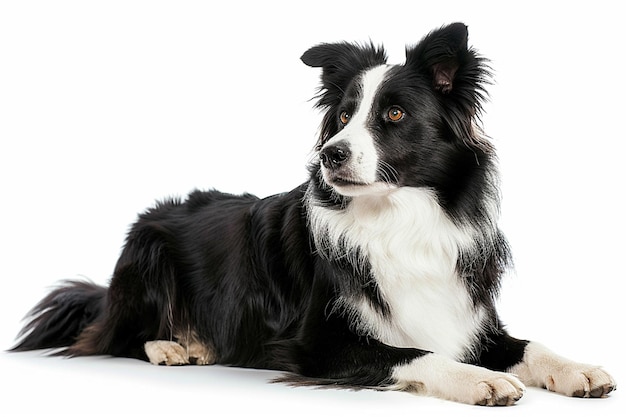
{"points": [[458, 76], [440, 54], [340, 63]]}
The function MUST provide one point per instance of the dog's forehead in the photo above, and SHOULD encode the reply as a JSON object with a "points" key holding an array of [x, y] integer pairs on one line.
{"points": [[368, 82], [396, 76], [373, 78]]}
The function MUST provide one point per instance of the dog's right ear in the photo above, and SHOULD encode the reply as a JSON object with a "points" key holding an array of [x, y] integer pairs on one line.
{"points": [[340, 63]]}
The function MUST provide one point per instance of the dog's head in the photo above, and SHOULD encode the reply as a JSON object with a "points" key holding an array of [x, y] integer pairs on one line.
{"points": [[388, 126]]}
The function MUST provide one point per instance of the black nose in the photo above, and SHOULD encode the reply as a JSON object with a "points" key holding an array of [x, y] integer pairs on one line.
{"points": [[335, 155]]}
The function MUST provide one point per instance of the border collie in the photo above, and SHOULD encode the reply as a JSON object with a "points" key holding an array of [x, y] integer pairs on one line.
{"points": [[381, 271]]}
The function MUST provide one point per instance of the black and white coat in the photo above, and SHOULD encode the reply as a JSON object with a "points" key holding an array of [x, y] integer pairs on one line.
{"points": [[380, 271]]}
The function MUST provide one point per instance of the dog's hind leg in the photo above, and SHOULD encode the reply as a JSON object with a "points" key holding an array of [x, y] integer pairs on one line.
{"points": [[200, 354]]}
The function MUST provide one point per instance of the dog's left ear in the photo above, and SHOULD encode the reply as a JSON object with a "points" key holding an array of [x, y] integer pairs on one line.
{"points": [[458, 76], [440, 54]]}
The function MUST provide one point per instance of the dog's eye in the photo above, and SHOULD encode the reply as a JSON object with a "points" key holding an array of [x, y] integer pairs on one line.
{"points": [[395, 114], [344, 117]]}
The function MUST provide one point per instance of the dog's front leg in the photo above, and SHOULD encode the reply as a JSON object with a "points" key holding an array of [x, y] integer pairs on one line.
{"points": [[438, 376], [541, 367], [334, 355]]}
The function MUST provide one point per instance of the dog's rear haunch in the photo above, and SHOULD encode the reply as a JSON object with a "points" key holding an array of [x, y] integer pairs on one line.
{"points": [[380, 271]]}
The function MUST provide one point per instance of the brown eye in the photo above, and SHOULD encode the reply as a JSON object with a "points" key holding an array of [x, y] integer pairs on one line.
{"points": [[344, 117], [395, 114]]}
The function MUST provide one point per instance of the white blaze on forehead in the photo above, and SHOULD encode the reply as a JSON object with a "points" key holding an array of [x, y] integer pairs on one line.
{"points": [[370, 84], [364, 161]]}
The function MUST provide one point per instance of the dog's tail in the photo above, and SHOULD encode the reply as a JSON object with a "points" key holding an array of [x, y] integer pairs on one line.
{"points": [[61, 316]]}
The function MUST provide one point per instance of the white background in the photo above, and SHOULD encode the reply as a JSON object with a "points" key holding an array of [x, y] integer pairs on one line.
{"points": [[107, 106]]}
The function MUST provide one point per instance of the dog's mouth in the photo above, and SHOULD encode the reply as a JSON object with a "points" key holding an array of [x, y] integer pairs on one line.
{"points": [[346, 182], [353, 188]]}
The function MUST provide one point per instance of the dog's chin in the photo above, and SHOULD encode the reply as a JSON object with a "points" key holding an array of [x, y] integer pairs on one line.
{"points": [[350, 188]]}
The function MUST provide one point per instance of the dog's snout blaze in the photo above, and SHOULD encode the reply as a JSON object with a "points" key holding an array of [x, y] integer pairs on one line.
{"points": [[334, 156]]}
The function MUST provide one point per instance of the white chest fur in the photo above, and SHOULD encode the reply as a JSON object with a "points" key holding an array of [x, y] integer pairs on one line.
{"points": [[412, 247]]}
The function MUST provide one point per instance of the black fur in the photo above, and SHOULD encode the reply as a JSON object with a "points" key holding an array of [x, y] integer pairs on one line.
{"points": [[244, 275]]}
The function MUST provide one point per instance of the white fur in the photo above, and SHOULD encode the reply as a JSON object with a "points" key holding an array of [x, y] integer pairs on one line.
{"points": [[541, 367], [364, 162], [441, 377], [412, 247]]}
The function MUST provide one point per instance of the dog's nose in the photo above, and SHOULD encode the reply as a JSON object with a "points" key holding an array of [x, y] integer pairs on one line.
{"points": [[333, 156]]}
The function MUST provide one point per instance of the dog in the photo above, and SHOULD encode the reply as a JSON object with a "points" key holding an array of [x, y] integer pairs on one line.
{"points": [[381, 271]]}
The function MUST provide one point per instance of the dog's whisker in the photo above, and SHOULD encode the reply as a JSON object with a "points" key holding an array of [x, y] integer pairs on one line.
{"points": [[388, 173]]}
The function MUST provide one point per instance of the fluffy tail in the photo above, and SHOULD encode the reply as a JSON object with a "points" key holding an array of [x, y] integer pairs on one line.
{"points": [[59, 318]]}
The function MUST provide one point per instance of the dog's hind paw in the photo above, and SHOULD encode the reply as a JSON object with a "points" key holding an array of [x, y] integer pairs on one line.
{"points": [[165, 352]]}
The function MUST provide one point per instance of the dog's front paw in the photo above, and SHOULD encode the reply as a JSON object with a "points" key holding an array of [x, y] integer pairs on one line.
{"points": [[497, 389], [578, 380], [440, 377], [541, 367]]}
